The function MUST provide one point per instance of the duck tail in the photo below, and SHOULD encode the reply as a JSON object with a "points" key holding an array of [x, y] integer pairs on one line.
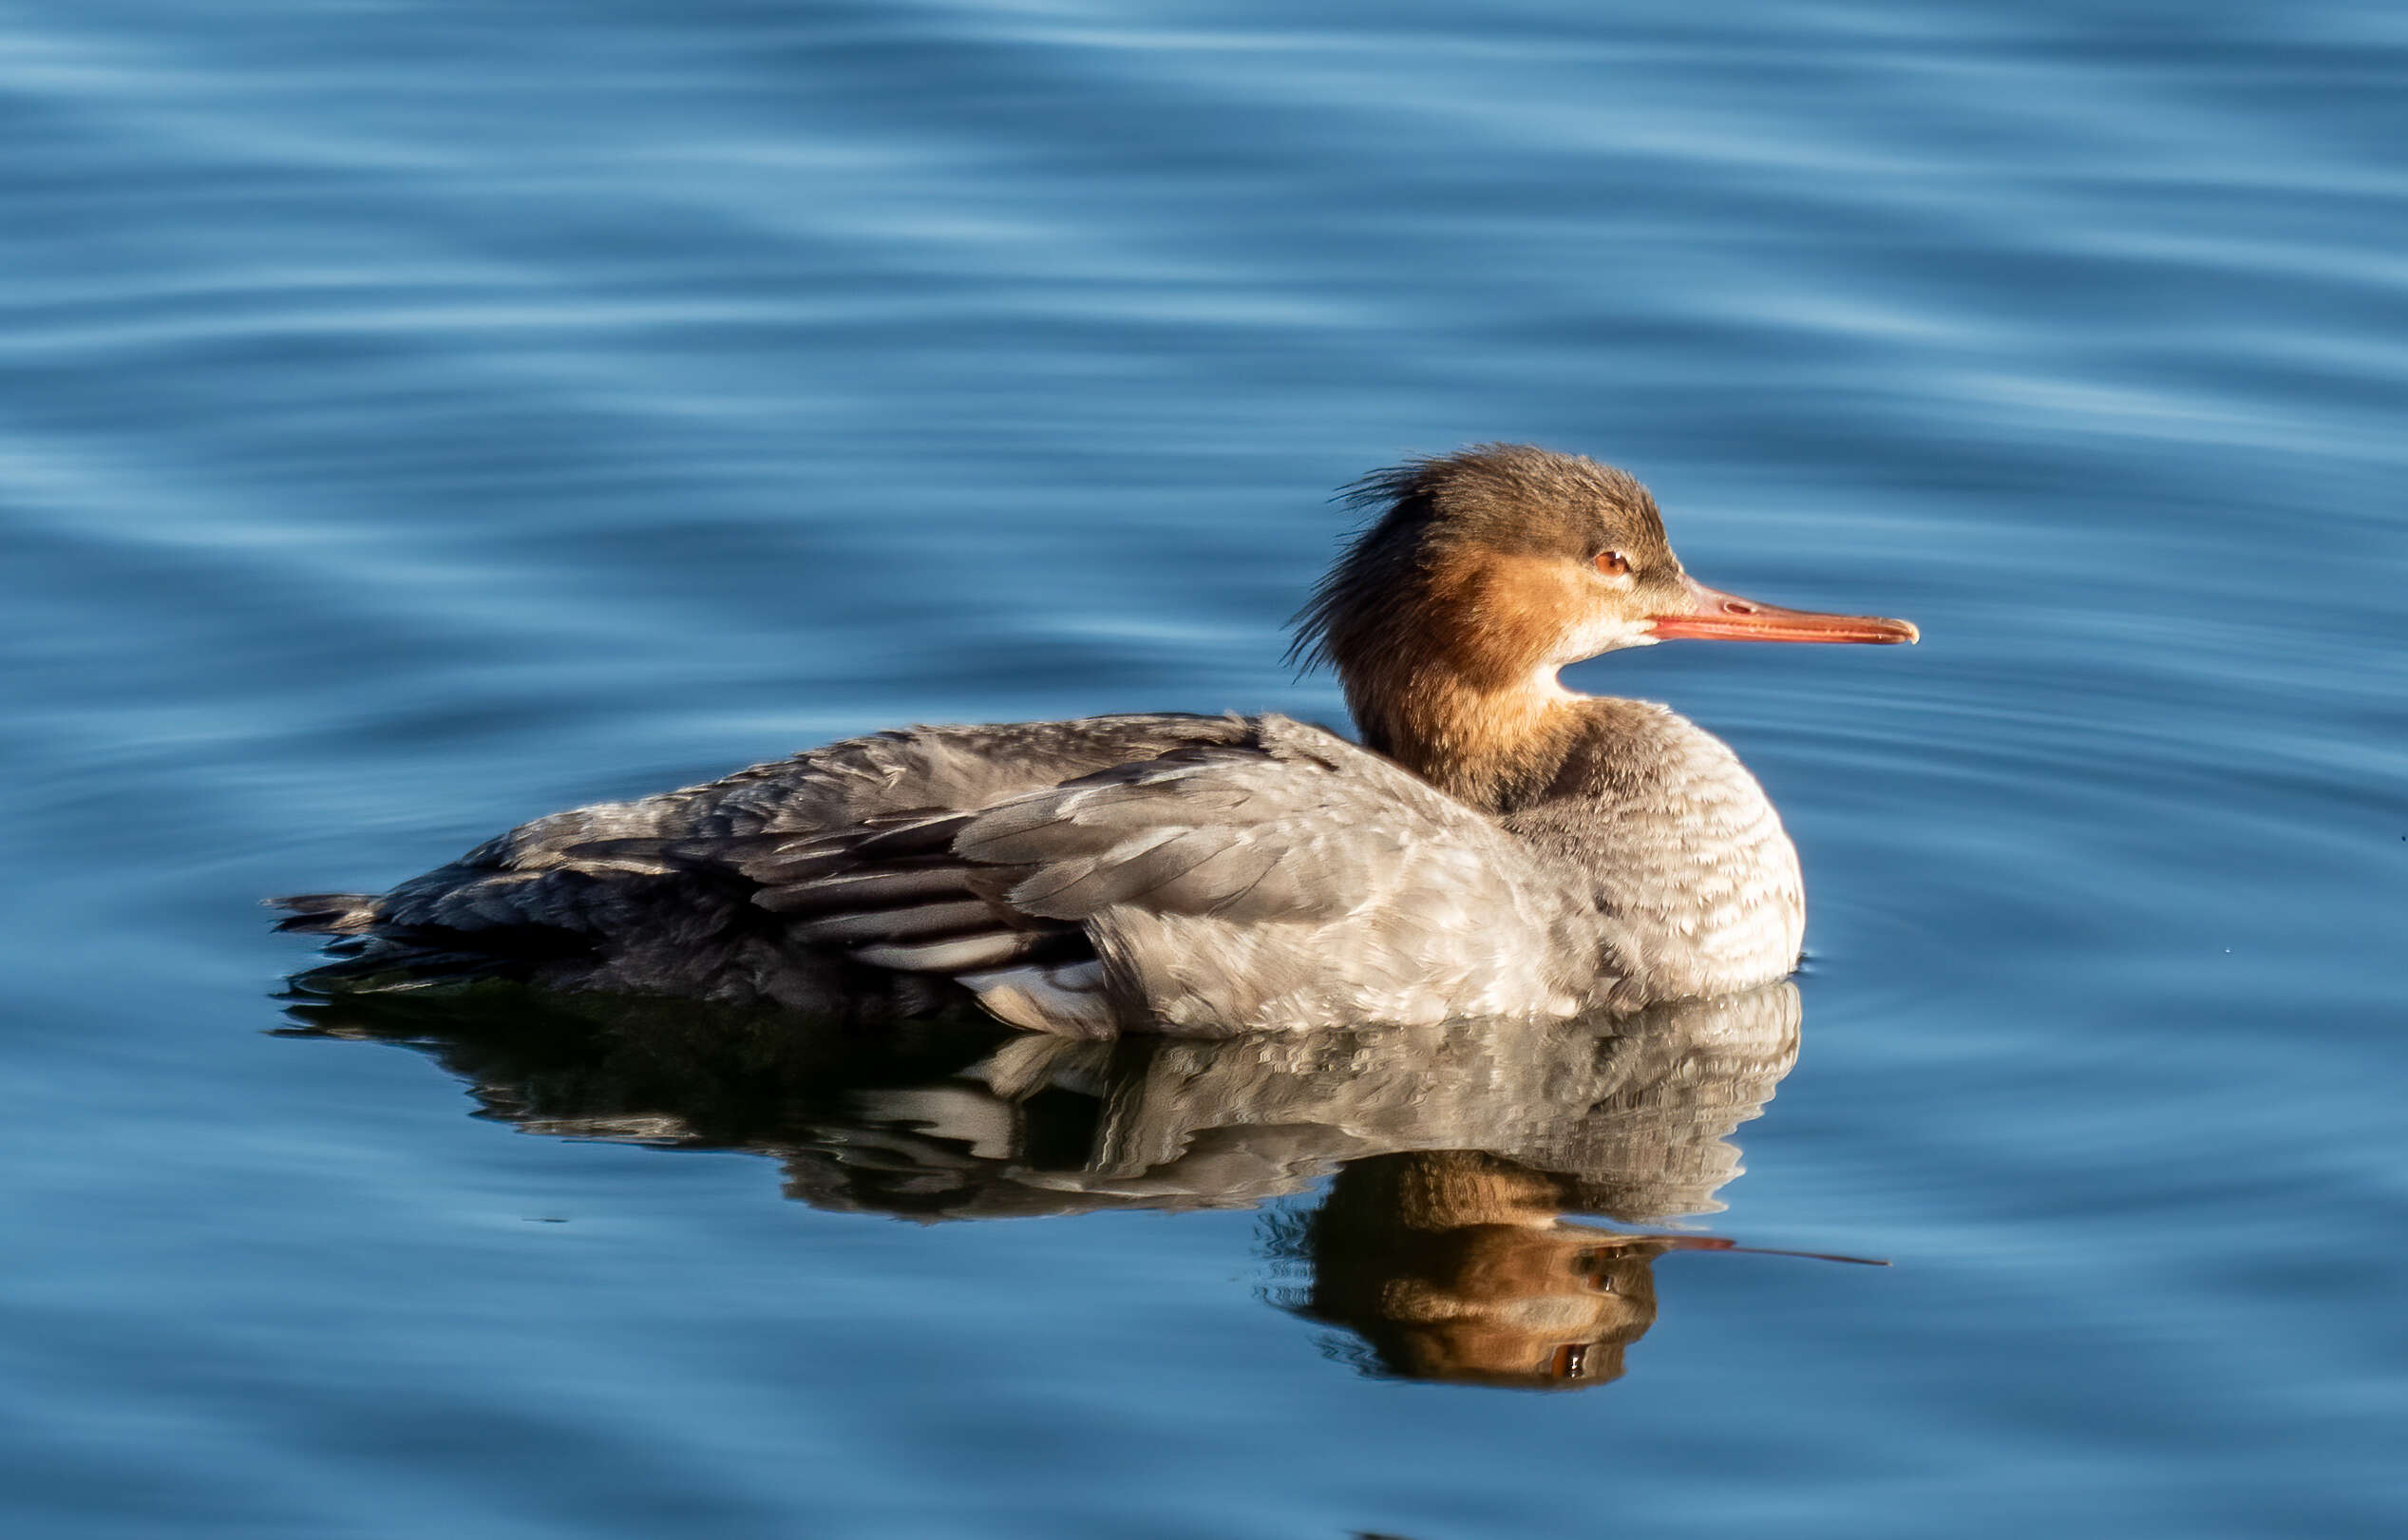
{"points": [[327, 914]]}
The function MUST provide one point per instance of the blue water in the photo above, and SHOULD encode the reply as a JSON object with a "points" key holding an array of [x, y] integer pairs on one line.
{"points": [[416, 417]]}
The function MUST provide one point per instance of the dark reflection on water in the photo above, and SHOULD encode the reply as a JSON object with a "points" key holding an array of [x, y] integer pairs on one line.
{"points": [[415, 417], [1458, 1151]]}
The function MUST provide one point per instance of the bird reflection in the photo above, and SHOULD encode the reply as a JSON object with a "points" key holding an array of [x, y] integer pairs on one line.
{"points": [[1453, 1154], [1458, 1265]]}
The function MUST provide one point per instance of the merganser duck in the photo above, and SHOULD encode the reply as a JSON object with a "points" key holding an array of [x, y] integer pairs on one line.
{"points": [[1496, 845]]}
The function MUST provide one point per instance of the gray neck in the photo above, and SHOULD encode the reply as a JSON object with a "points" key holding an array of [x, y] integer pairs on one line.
{"points": [[1693, 879]]}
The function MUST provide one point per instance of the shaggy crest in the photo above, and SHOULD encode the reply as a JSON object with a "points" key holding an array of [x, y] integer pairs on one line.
{"points": [[1509, 498]]}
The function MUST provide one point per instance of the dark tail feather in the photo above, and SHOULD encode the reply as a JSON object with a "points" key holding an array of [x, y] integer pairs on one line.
{"points": [[403, 970], [415, 958], [326, 914]]}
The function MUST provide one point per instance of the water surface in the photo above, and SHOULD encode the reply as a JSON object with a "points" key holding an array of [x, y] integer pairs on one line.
{"points": [[417, 417]]}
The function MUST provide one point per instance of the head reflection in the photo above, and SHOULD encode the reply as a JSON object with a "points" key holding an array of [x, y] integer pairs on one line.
{"points": [[1458, 1265], [1468, 1165]]}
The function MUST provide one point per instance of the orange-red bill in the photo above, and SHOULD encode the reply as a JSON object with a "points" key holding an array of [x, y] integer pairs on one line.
{"points": [[1721, 616]]}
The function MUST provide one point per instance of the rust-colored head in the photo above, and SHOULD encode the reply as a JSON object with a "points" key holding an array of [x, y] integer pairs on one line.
{"points": [[1511, 559], [1488, 570]]}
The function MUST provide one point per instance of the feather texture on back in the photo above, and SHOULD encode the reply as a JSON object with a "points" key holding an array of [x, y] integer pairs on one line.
{"points": [[1499, 847]]}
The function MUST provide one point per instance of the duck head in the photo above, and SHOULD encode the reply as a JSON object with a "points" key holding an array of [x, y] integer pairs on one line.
{"points": [[1486, 571]]}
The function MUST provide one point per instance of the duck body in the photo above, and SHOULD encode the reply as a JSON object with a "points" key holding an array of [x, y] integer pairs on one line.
{"points": [[1497, 845]]}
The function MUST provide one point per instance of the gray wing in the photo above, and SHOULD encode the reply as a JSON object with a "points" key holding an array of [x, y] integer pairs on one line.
{"points": [[589, 898], [1196, 875], [1289, 879]]}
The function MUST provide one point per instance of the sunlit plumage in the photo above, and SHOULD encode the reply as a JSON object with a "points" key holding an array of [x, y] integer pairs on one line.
{"points": [[1496, 846]]}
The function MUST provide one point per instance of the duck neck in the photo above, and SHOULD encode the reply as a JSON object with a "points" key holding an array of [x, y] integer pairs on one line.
{"points": [[1492, 742]]}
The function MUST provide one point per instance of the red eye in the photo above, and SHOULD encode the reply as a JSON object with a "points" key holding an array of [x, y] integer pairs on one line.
{"points": [[1613, 563]]}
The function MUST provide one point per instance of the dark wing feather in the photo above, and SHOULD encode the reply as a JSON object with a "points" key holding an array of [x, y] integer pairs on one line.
{"points": [[656, 895]]}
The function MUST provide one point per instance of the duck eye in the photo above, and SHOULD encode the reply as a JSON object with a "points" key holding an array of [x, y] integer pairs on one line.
{"points": [[1613, 563]]}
